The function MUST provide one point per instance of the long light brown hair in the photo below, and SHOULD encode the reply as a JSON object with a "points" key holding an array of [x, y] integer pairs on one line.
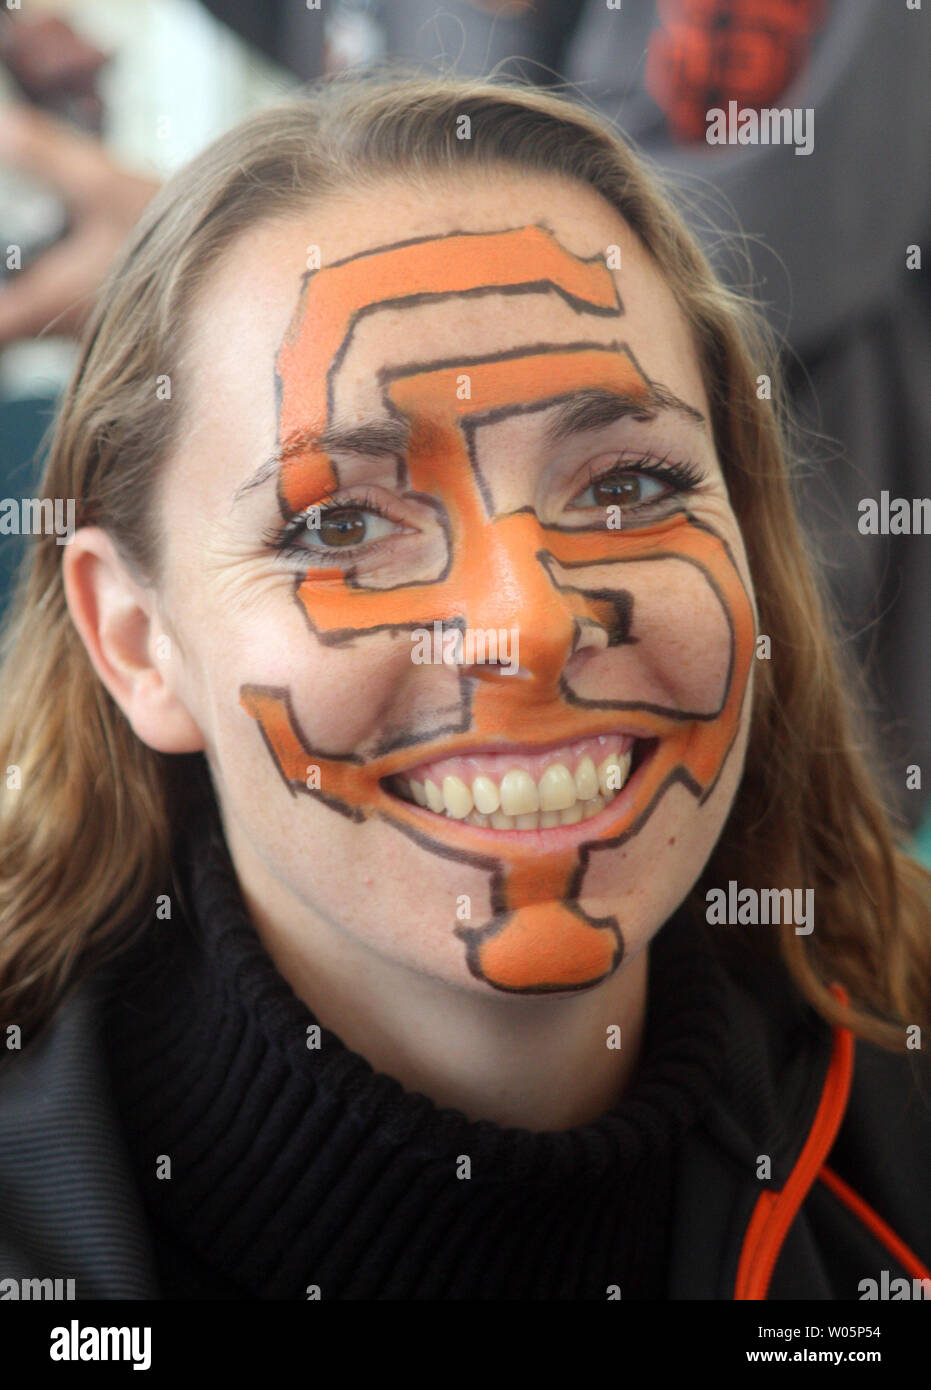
{"points": [[89, 814]]}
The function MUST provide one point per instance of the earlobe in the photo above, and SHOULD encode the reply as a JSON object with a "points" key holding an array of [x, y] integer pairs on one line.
{"points": [[117, 621]]}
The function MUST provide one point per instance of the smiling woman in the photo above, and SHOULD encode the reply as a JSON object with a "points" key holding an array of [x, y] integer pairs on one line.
{"points": [[352, 921]]}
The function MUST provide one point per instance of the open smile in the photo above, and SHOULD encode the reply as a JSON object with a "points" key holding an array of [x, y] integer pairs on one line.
{"points": [[520, 792]]}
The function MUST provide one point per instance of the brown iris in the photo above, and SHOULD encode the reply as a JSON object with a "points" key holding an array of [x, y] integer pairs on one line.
{"points": [[346, 527], [616, 488]]}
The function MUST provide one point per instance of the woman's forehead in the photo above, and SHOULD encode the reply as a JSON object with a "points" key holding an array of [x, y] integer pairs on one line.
{"points": [[269, 262], [376, 281]]}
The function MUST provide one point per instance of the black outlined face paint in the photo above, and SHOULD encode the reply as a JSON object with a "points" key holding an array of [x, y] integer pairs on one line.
{"points": [[500, 570]]}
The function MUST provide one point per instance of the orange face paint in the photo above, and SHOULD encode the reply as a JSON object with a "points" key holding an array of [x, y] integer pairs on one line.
{"points": [[502, 570]]}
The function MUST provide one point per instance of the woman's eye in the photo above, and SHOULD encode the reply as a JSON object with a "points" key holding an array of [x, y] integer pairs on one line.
{"points": [[621, 489], [346, 527], [335, 531]]}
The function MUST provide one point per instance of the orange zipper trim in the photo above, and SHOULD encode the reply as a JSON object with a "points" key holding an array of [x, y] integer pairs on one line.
{"points": [[774, 1212], [871, 1219]]}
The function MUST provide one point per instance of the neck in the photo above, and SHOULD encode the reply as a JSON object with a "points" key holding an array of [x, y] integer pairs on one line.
{"points": [[538, 1063]]}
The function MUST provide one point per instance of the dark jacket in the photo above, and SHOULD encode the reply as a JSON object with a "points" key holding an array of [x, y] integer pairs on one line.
{"points": [[846, 1126]]}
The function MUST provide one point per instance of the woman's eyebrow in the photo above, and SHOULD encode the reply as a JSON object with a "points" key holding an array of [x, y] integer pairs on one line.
{"points": [[383, 436], [594, 407], [379, 437]]}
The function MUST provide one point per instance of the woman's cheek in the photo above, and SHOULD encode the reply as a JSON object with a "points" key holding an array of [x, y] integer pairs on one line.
{"points": [[340, 694], [646, 880], [684, 657], [679, 651]]}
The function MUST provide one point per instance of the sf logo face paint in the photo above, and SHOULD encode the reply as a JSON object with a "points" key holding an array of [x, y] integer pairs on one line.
{"points": [[490, 564]]}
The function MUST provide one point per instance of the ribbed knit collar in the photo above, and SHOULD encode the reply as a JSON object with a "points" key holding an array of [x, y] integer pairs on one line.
{"points": [[292, 1166]]}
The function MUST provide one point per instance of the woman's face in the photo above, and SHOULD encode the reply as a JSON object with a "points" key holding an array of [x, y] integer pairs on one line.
{"points": [[461, 608]]}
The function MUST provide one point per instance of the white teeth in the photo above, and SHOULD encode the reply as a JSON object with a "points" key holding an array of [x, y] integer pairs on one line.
{"points": [[612, 773], [609, 775], [418, 793], [434, 797], [457, 797], [485, 795], [520, 803], [586, 780], [519, 795], [557, 788], [624, 766]]}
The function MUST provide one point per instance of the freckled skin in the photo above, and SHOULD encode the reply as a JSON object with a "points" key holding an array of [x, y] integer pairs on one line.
{"points": [[504, 567], [357, 898]]}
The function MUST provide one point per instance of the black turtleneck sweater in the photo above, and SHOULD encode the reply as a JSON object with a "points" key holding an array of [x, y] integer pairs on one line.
{"points": [[293, 1167]]}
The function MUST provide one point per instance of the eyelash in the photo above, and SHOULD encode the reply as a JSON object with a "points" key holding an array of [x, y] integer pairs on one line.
{"points": [[683, 478], [284, 539]]}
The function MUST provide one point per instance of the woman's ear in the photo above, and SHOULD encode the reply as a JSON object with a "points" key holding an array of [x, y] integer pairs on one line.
{"points": [[117, 622]]}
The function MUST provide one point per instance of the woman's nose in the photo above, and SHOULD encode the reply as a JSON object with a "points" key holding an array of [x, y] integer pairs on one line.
{"points": [[510, 592]]}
